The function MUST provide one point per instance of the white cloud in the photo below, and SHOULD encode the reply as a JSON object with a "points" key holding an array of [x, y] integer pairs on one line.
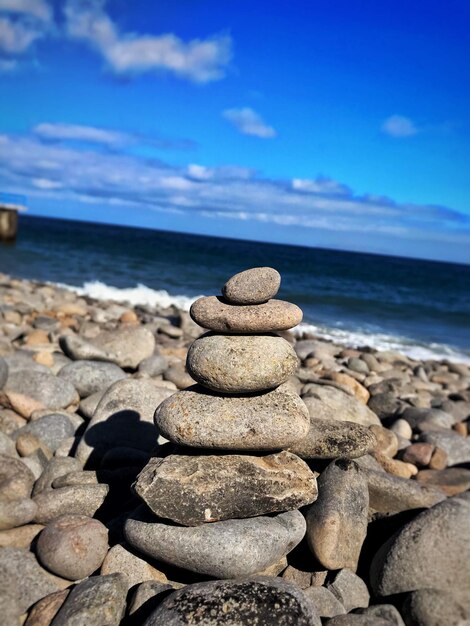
{"points": [[35, 8], [22, 22], [76, 132], [320, 185], [399, 126], [249, 122], [198, 60]]}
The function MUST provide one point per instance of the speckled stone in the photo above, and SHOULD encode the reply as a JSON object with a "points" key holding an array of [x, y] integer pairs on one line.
{"points": [[120, 560], [78, 500], [253, 286], [215, 314], [16, 480], [328, 402], [329, 439], [88, 377]]}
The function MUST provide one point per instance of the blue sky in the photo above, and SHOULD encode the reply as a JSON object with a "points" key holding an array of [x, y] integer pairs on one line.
{"points": [[340, 124]]}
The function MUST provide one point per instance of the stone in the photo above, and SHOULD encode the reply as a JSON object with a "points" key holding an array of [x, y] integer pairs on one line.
{"points": [[418, 453], [327, 402], [27, 444], [89, 405], [7, 445], [3, 372], [10, 421], [350, 590], [384, 404], [260, 600], [395, 466], [401, 428], [73, 546], [201, 419], [16, 480], [439, 459], [253, 286], [153, 365], [56, 467], [16, 512], [215, 314], [387, 441], [96, 601], [326, 603], [20, 537], [146, 598], [330, 439], [51, 429], [359, 391], [416, 417], [78, 500], [433, 607], [192, 490], [456, 447], [383, 612], [241, 363], [407, 561], [125, 346], [44, 611], [29, 390], [124, 417], [337, 520], [228, 549], [88, 377], [120, 560], [178, 375], [353, 619], [451, 481], [31, 582], [9, 603]]}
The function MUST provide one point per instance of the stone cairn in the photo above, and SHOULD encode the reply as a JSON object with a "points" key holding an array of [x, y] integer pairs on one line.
{"points": [[228, 494]]}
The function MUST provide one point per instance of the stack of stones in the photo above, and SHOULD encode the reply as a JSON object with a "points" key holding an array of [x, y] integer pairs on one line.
{"points": [[228, 494]]}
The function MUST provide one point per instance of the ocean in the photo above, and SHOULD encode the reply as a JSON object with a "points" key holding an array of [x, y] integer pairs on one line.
{"points": [[420, 308]]}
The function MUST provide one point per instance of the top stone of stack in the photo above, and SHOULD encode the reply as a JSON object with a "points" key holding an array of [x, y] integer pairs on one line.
{"points": [[253, 286]]}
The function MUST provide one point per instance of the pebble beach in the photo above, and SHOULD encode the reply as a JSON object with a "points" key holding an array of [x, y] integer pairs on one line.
{"points": [[224, 466]]}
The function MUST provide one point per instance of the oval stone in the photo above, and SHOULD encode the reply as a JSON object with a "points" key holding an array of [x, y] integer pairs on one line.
{"points": [[241, 364], [214, 313], [330, 439], [198, 418], [253, 286]]}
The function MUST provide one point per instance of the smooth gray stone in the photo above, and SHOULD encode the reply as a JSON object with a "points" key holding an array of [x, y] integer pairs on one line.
{"points": [[383, 611], [123, 418], [50, 429], [31, 582], [327, 402], [354, 619], [89, 405], [350, 590], [193, 490], [456, 446], [96, 601], [331, 439], [121, 560], [228, 549], [337, 520], [261, 600], [326, 603], [3, 372], [7, 445], [48, 390], [56, 467], [23, 360], [315, 347], [14, 513], [89, 377], [198, 418], [9, 604], [154, 365], [125, 346], [432, 607], [16, 480], [241, 363], [253, 286], [416, 417], [78, 500], [431, 551], [147, 596]]}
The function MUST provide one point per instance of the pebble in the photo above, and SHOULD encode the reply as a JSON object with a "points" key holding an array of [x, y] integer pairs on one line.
{"points": [[89, 405], [51, 429], [120, 560], [383, 612], [326, 603], [3, 372], [240, 363], [153, 365], [451, 481], [73, 546], [253, 286], [359, 391], [179, 376], [353, 619], [350, 590], [401, 428], [198, 418], [78, 500], [16, 512], [327, 402], [337, 520], [417, 417], [88, 377], [20, 537], [27, 444], [192, 490], [44, 611], [258, 600], [439, 459], [418, 453], [7, 445], [387, 441], [16, 480], [433, 607], [395, 466], [329, 439], [228, 549], [456, 447], [215, 314], [28, 390], [56, 467]]}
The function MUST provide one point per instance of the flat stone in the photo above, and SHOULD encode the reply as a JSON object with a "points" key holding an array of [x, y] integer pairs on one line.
{"points": [[350, 590], [410, 560], [120, 560], [241, 363], [330, 439], [44, 611], [124, 417], [253, 286], [51, 429], [262, 601], [16, 512], [451, 481], [201, 419], [215, 314], [192, 490], [73, 546], [16, 480], [327, 402], [125, 346], [56, 467], [88, 377], [94, 602], [20, 537], [337, 520], [228, 549], [433, 607], [456, 446], [30, 390], [78, 500], [326, 603]]}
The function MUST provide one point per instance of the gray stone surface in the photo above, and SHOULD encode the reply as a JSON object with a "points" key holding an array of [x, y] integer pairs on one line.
{"points": [[10, 610], [253, 286], [215, 314], [456, 446], [383, 611], [241, 363], [50, 429], [331, 439], [337, 520], [145, 599], [44, 611], [350, 590], [14, 513], [20, 537], [327, 402], [56, 467], [120, 560], [73, 546], [228, 549], [97, 601], [78, 500], [431, 551], [326, 603], [124, 417], [46, 390], [89, 405], [153, 365], [192, 490], [16, 480], [419, 418], [432, 607], [88, 377], [198, 418], [7, 445], [353, 619], [3, 372], [260, 600]]}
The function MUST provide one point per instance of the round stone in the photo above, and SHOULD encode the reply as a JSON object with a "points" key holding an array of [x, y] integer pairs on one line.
{"points": [[73, 546], [241, 364], [215, 314], [253, 286]]}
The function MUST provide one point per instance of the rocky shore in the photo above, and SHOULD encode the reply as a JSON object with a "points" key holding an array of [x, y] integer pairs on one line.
{"points": [[155, 473]]}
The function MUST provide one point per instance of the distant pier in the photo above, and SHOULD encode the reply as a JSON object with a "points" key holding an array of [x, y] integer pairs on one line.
{"points": [[10, 205]]}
